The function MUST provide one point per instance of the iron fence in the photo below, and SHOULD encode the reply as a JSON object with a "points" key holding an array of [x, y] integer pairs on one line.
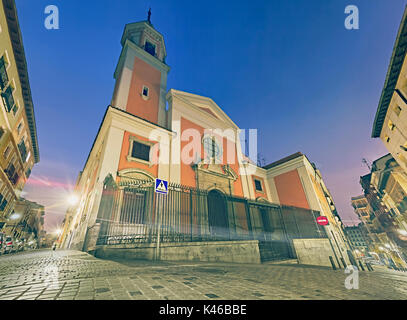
{"points": [[131, 212]]}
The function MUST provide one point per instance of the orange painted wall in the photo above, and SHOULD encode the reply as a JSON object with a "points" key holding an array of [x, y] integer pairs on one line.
{"points": [[290, 190], [144, 75], [258, 194], [237, 185], [124, 164], [188, 174]]}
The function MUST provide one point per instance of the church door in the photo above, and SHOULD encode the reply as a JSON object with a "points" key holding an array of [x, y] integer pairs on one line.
{"points": [[217, 215]]}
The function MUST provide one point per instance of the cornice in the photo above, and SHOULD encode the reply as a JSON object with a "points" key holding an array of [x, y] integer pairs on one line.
{"points": [[21, 63], [286, 166]]}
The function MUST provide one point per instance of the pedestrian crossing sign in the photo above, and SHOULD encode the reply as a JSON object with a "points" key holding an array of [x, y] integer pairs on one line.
{"points": [[161, 186]]}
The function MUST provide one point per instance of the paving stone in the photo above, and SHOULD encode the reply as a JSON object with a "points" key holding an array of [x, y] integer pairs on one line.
{"points": [[157, 287], [81, 276]]}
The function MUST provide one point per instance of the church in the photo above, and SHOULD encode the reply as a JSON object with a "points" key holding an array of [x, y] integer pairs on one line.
{"points": [[219, 206]]}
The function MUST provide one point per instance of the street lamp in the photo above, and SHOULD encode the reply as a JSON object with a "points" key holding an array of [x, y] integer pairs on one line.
{"points": [[15, 216], [73, 199]]}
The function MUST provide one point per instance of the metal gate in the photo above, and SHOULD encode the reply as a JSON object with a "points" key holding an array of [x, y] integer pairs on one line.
{"points": [[269, 229]]}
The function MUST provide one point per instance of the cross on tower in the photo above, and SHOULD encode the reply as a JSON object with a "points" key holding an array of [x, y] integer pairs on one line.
{"points": [[149, 15]]}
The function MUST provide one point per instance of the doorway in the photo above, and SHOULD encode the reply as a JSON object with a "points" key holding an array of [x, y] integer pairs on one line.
{"points": [[217, 215]]}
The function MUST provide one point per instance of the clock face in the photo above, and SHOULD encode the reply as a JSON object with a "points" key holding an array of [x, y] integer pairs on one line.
{"points": [[212, 148]]}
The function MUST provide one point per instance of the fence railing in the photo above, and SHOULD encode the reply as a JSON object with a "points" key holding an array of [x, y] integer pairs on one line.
{"points": [[132, 212]]}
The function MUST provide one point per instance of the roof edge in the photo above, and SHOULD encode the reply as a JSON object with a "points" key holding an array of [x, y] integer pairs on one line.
{"points": [[21, 62], [283, 160], [383, 106]]}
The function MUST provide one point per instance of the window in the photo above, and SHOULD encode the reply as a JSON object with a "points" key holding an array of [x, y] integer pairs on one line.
{"points": [[391, 125], [7, 152], [1, 132], [212, 148], [150, 48], [11, 173], [3, 203], [8, 99], [3, 73], [23, 150], [15, 109], [140, 151], [28, 172], [257, 183], [20, 127], [397, 110], [386, 138], [145, 92]]}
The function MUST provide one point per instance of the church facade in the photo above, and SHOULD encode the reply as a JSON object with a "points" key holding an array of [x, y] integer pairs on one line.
{"points": [[149, 132]]}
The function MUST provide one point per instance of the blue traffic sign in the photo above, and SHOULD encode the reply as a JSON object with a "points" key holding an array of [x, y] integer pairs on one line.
{"points": [[161, 186]]}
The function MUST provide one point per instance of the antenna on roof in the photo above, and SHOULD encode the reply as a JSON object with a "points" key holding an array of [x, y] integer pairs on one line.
{"points": [[367, 164]]}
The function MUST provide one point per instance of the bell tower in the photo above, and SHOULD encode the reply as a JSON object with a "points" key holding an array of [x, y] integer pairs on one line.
{"points": [[141, 73]]}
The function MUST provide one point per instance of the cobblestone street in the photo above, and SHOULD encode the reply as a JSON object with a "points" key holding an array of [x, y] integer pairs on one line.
{"points": [[69, 275]]}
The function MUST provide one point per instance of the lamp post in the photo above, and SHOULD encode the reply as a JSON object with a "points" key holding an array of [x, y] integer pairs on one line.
{"points": [[13, 217]]}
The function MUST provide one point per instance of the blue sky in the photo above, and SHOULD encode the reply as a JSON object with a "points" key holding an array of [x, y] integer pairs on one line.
{"points": [[287, 68]]}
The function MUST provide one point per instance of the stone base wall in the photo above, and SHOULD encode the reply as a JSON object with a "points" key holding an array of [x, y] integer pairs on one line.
{"points": [[77, 246], [216, 251], [314, 252], [91, 237]]}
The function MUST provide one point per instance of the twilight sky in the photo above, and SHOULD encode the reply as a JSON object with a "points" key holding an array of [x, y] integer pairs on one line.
{"points": [[287, 68]]}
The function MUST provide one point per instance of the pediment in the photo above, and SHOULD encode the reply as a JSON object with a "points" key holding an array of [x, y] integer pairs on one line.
{"points": [[203, 104]]}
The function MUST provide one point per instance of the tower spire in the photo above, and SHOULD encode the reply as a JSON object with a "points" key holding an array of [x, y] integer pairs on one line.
{"points": [[149, 16]]}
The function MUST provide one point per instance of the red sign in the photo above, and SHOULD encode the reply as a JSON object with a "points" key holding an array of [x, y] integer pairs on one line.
{"points": [[323, 221]]}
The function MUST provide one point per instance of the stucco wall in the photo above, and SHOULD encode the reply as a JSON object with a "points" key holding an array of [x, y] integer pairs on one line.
{"points": [[290, 189]]}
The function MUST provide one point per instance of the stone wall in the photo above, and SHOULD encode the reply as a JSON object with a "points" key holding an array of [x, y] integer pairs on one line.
{"points": [[314, 252], [91, 237], [214, 251]]}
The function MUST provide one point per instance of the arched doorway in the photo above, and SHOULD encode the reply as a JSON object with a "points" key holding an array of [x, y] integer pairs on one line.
{"points": [[217, 215]]}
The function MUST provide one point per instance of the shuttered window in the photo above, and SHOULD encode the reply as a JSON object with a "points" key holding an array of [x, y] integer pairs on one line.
{"points": [[257, 183], [8, 98], [3, 74], [140, 151]]}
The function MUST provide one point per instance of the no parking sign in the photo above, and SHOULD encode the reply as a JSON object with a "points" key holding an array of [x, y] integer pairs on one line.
{"points": [[323, 221]]}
